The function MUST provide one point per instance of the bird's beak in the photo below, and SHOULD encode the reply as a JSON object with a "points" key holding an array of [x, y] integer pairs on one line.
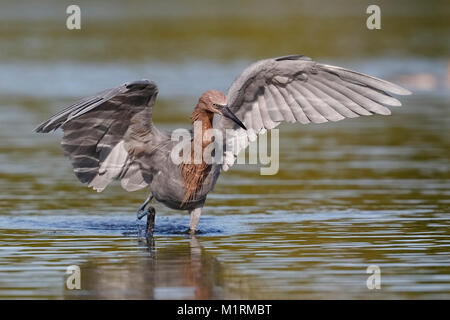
{"points": [[226, 112]]}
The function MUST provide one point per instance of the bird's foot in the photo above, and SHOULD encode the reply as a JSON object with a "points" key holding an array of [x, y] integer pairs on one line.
{"points": [[191, 232], [141, 213]]}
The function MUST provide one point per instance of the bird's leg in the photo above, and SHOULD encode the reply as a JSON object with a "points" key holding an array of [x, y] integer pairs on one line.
{"points": [[150, 213], [195, 217], [150, 222], [141, 211]]}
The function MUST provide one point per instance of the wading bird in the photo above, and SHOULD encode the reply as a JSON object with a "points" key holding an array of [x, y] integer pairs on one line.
{"points": [[111, 136]]}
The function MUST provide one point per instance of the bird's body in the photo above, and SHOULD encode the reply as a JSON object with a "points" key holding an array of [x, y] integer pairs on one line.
{"points": [[111, 136], [168, 186]]}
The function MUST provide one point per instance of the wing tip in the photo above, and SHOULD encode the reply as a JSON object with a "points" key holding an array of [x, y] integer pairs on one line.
{"points": [[140, 84], [48, 126], [42, 128], [293, 57], [404, 92], [386, 112], [38, 129], [387, 85], [394, 103], [396, 89]]}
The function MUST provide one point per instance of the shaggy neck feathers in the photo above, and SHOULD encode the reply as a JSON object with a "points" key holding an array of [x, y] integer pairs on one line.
{"points": [[194, 174]]}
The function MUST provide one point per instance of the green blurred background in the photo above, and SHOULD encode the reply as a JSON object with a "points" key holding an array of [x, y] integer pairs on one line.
{"points": [[221, 30]]}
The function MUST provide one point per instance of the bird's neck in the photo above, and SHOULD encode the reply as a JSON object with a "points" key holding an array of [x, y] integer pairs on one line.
{"points": [[202, 118], [194, 174]]}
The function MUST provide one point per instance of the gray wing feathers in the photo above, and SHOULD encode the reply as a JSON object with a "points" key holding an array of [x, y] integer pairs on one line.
{"points": [[264, 111], [103, 132], [297, 89], [370, 81]]}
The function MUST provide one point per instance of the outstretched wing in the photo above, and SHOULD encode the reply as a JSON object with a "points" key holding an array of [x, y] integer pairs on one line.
{"points": [[104, 134], [297, 89]]}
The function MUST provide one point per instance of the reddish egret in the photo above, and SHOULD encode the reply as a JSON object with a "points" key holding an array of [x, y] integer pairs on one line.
{"points": [[111, 136]]}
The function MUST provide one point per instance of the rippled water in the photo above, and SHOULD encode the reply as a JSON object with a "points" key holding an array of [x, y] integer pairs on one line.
{"points": [[367, 191]]}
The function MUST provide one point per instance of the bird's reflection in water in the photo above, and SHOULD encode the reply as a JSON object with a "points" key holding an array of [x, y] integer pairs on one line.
{"points": [[177, 271]]}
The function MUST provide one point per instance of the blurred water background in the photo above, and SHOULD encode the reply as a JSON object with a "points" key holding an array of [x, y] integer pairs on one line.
{"points": [[372, 190]]}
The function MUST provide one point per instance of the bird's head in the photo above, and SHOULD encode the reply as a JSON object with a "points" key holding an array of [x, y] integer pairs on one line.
{"points": [[215, 101]]}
